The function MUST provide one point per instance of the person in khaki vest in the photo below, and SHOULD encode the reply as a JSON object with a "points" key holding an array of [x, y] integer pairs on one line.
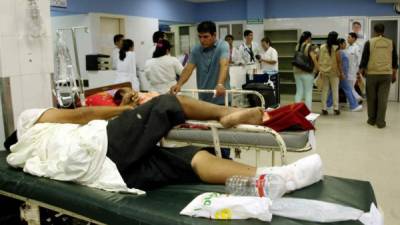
{"points": [[331, 71], [379, 66]]}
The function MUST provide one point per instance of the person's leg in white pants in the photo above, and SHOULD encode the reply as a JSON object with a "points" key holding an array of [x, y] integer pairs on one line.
{"points": [[308, 83], [299, 88], [352, 83]]}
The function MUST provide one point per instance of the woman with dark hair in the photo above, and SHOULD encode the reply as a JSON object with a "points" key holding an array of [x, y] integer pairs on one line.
{"points": [[305, 79], [161, 71], [343, 84], [331, 71], [126, 66]]}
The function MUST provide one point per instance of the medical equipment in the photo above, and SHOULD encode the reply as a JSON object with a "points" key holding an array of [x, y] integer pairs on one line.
{"points": [[35, 22], [65, 88]]}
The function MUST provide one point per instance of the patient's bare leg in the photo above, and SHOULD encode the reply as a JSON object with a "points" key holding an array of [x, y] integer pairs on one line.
{"points": [[214, 170], [228, 116]]}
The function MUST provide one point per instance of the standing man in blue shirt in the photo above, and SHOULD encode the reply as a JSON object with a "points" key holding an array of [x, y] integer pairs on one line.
{"points": [[211, 59]]}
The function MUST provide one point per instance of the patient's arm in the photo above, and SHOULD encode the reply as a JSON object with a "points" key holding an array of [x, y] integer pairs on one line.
{"points": [[87, 114], [81, 115]]}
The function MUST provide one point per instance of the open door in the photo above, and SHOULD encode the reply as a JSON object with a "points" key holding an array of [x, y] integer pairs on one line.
{"points": [[392, 32]]}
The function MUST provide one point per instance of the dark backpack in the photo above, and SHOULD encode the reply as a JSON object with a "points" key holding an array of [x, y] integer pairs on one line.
{"points": [[302, 60], [12, 139]]}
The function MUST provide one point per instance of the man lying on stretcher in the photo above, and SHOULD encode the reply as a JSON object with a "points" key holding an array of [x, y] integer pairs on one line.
{"points": [[113, 148]]}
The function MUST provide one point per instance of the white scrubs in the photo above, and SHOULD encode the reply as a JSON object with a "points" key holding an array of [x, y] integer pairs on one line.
{"points": [[271, 55], [126, 71], [354, 51], [244, 52], [161, 73], [114, 58]]}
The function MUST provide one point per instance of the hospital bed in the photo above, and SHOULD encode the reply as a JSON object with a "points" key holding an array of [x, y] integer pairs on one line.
{"points": [[242, 137], [160, 206]]}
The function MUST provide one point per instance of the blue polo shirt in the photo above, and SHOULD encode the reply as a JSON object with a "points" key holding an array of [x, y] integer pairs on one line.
{"points": [[207, 67]]}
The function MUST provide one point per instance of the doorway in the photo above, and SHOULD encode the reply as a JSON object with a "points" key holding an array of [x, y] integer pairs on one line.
{"points": [[109, 26], [392, 32]]}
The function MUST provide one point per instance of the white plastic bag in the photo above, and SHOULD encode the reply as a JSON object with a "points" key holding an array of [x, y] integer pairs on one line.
{"points": [[323, 212], [220, 206]]}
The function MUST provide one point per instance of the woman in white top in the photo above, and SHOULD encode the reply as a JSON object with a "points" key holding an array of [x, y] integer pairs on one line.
{"points": [[162, 70], [126, 66], [269, 58]]}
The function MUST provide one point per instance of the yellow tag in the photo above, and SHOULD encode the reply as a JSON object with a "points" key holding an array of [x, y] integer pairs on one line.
{"points": [[223, 214]]}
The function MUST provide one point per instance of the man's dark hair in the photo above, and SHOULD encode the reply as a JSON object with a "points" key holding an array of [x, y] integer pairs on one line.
{"points": [[266, 40], [207, 27], [229, 36], [158, 35], [379, 28], [353, 35], [247, 33], [356, 23], [118, 37]]}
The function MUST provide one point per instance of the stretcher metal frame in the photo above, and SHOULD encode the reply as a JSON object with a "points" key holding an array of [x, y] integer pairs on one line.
{"points": [[215, 126], [32, 210]]}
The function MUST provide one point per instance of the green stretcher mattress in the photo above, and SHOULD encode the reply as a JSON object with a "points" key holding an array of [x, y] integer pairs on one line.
{"points": [[162, 206]]}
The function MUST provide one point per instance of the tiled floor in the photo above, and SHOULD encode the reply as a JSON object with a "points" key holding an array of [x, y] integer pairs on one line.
{"points": [[351, 148]]}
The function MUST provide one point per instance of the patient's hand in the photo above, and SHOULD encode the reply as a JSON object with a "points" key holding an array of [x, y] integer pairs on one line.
{"points": [[130, 99]]}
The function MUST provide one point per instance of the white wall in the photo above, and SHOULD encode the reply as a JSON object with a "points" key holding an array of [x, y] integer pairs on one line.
{"points": [[141, 30], [23, 59], [317, 25]]}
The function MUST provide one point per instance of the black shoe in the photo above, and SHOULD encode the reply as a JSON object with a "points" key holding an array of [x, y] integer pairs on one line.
{"points": [[324, 112], [370, 122], [360, 102], [380, 126], [337, 112]]}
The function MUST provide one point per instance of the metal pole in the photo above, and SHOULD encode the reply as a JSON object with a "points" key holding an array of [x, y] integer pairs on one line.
{"points": [[81, 91]]}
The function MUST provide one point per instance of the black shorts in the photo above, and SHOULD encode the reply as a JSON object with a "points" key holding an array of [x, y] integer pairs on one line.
{"points": [[132, 145]]}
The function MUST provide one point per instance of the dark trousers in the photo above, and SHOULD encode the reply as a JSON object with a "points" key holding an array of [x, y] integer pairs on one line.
{"points": [[377, 87]]}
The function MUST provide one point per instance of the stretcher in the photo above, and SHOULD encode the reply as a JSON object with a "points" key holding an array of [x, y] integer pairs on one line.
{"points": [[242, 137], [160, 206]]}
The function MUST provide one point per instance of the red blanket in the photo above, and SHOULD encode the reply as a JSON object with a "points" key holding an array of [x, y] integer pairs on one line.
{"points": [[288, 117]]}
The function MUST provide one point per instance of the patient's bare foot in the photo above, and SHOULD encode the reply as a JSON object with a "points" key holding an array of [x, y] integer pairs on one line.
{"points": [[253, 116]]}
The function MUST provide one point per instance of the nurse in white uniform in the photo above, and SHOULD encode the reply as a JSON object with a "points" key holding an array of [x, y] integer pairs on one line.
{"points": [[161, 71], [269, 58], [118, 41], [126, 66], [355, 51]]}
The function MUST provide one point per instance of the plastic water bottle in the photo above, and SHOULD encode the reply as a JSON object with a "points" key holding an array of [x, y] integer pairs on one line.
{"points": [[272, 186]]}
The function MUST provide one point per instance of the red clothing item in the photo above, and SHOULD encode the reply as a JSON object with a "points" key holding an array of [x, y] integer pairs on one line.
{"points": [[100, 99], [289, 116]]}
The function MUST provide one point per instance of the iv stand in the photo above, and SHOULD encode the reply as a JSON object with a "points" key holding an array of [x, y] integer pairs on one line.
{"points": [[73, 32]]}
